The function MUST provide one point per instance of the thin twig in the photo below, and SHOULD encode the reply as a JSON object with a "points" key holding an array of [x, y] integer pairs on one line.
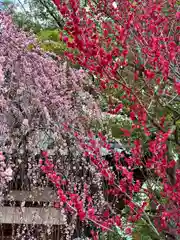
{"points": [[145, 214]]}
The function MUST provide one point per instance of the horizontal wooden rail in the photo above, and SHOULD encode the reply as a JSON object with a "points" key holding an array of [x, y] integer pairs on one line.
{"points": [[28, 215], [46, 195]]}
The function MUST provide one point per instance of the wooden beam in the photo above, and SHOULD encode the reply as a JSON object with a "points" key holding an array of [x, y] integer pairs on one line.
{"points": [[46, 195], [39, 216]]}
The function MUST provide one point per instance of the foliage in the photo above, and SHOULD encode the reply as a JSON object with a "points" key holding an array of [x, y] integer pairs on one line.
{"points": [[5, 4], [142, 231], [49, 41], [35, 15], [45, 12], [25, 22], [22, 18]]}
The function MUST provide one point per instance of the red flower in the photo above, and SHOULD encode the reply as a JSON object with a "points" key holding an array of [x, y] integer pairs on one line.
{"points": [[128, 231], [132, 115], [91, 213], [178, 15], [65, 39], [106, 214], [125, 132], [81, 215], [149, 74]]}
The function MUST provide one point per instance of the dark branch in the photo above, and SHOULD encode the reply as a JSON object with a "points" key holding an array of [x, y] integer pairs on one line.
{"points": [[60, 23]]}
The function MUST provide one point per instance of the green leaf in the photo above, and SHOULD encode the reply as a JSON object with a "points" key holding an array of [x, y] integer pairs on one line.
{"points": [[116, 133], [49, 35], [119, 231]]}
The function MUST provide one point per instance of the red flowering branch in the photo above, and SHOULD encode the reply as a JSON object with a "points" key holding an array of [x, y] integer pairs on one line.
{"points": [[132, 47]]}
